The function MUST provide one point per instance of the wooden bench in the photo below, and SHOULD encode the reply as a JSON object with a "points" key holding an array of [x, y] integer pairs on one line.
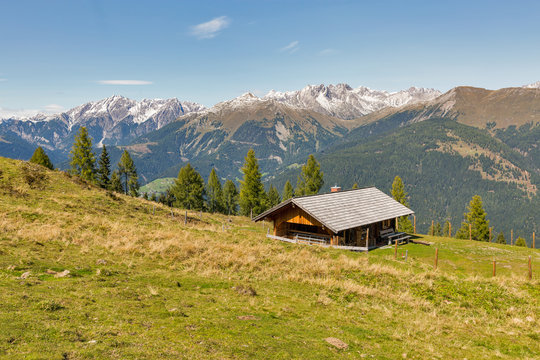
{"points": [[311, 238], [391, 236]]}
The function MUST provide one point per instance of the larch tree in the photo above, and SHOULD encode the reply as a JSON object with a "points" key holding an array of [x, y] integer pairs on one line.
{"points": [[252, 195], [128, 174], [214, 193], [288, 191], [273, 196], [476, 217], [310, 179], [82, 159], [230, 198], [400, 195], [40, 157], [104, 169], [521, 242], [116, 182], [501, 239], [188, 189]]}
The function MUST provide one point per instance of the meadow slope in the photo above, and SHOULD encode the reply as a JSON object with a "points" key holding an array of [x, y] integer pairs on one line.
{"points": [[145, 285]]}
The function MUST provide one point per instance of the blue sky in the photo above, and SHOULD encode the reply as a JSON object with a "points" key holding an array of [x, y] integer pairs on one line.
{"points": [[59, 54]]}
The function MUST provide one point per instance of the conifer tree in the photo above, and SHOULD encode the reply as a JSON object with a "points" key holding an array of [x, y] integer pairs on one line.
{"points": [[273, 196], [153, 197], [214, 193], [521, 242], [446, 228], [188, 189], [82, 159], [104, 169], [40, 157], [230, 198], [288, 191], [128, 174], [252, 194], [145, 196], [477, 218], [399, 194], [500, 238], [116, 182], [310, 179]]}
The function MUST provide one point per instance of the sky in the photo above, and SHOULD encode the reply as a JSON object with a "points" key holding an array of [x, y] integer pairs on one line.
{"points": [[55, 55]]}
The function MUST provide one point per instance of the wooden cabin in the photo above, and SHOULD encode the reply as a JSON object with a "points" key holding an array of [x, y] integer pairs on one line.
{"points": [[363, 218]]}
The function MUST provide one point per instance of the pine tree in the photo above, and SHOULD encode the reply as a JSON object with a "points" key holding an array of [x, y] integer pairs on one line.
{"points": [[310, 179], [355, 186], [230, 198], [214, 193], [399, 194], [500, 238], [521, 242], [188, 189], [477, 218], [128, 174], [40, 157], [446, 228], [437, 231], [116, 182], [273, 196], [153, 197], [252, 194], [104, 169], [82, 159], [287, 191], [145, 196]]}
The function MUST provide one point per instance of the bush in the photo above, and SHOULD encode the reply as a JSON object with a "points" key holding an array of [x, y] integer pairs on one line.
{"points": [[521, 242]]}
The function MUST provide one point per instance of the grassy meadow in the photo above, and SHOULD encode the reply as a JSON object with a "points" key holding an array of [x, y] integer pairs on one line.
{"points": [[145, 285]]}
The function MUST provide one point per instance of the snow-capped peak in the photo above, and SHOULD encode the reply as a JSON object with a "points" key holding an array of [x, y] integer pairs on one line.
{"points": [[345, 102], [535, 85]]}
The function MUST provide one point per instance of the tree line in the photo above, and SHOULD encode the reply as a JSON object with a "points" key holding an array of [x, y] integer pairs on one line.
{"points": [[83, 163]]}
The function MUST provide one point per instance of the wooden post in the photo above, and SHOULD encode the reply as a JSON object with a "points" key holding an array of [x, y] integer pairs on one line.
{"points": [[489, 234], [397, 224], [436, 257], [185, 218], [494, 267], [449, 229], [530, 268], [432, 228], [470, 231], [367, 238], [414, 218], [172, 215], [395, 251], [534, 245], [251, 213], [512, 237]]}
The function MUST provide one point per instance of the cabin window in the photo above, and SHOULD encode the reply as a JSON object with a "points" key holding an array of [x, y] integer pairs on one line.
{"points": [[386, 224], [305, 228]]}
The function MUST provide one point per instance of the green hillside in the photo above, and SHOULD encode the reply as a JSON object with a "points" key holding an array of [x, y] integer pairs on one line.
{"points": [[157, 186], [443, 164], [143, 286]]}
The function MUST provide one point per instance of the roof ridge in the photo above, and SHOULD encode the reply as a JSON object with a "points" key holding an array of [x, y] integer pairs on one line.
{"points": [[335, 192]]}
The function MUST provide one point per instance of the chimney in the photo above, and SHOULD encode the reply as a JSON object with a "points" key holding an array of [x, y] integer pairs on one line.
{"points": [[335, 188]]}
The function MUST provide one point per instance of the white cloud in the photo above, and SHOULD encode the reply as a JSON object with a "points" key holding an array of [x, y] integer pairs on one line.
{"points": [[53, 108], [292, 47], [2, 79], [210, 29], [124, 82], [327, 52]]}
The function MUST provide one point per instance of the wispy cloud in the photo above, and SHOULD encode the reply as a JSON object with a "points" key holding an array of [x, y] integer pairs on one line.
{"points": [[6, 113], [124, 82], [292, 47], [2, 79], [210, 29], [328, 51]]}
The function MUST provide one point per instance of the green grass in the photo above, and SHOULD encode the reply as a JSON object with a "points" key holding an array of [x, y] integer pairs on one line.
{"points": [[147, 287], [157, 186]]}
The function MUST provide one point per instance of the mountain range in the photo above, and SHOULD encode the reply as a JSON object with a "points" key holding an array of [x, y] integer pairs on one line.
{"points": [[446, 147]]}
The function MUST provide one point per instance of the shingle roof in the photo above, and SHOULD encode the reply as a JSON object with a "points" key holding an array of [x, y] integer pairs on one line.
{"points": [[347, 209]]}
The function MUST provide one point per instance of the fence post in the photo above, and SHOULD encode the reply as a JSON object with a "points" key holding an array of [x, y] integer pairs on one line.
{"points": [[436, 257], [494, 266], [530, 268], [489, 234], [534, 245], [172, 215], [406, 254], [432, 227], [470, 231], [395, 251], [185, 218], [449, 229], [512, 237], [414, 219]]}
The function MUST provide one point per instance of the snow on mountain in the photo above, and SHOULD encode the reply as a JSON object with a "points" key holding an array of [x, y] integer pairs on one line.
{"points": [[535, 85], [115, 120], [344, 102]]}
